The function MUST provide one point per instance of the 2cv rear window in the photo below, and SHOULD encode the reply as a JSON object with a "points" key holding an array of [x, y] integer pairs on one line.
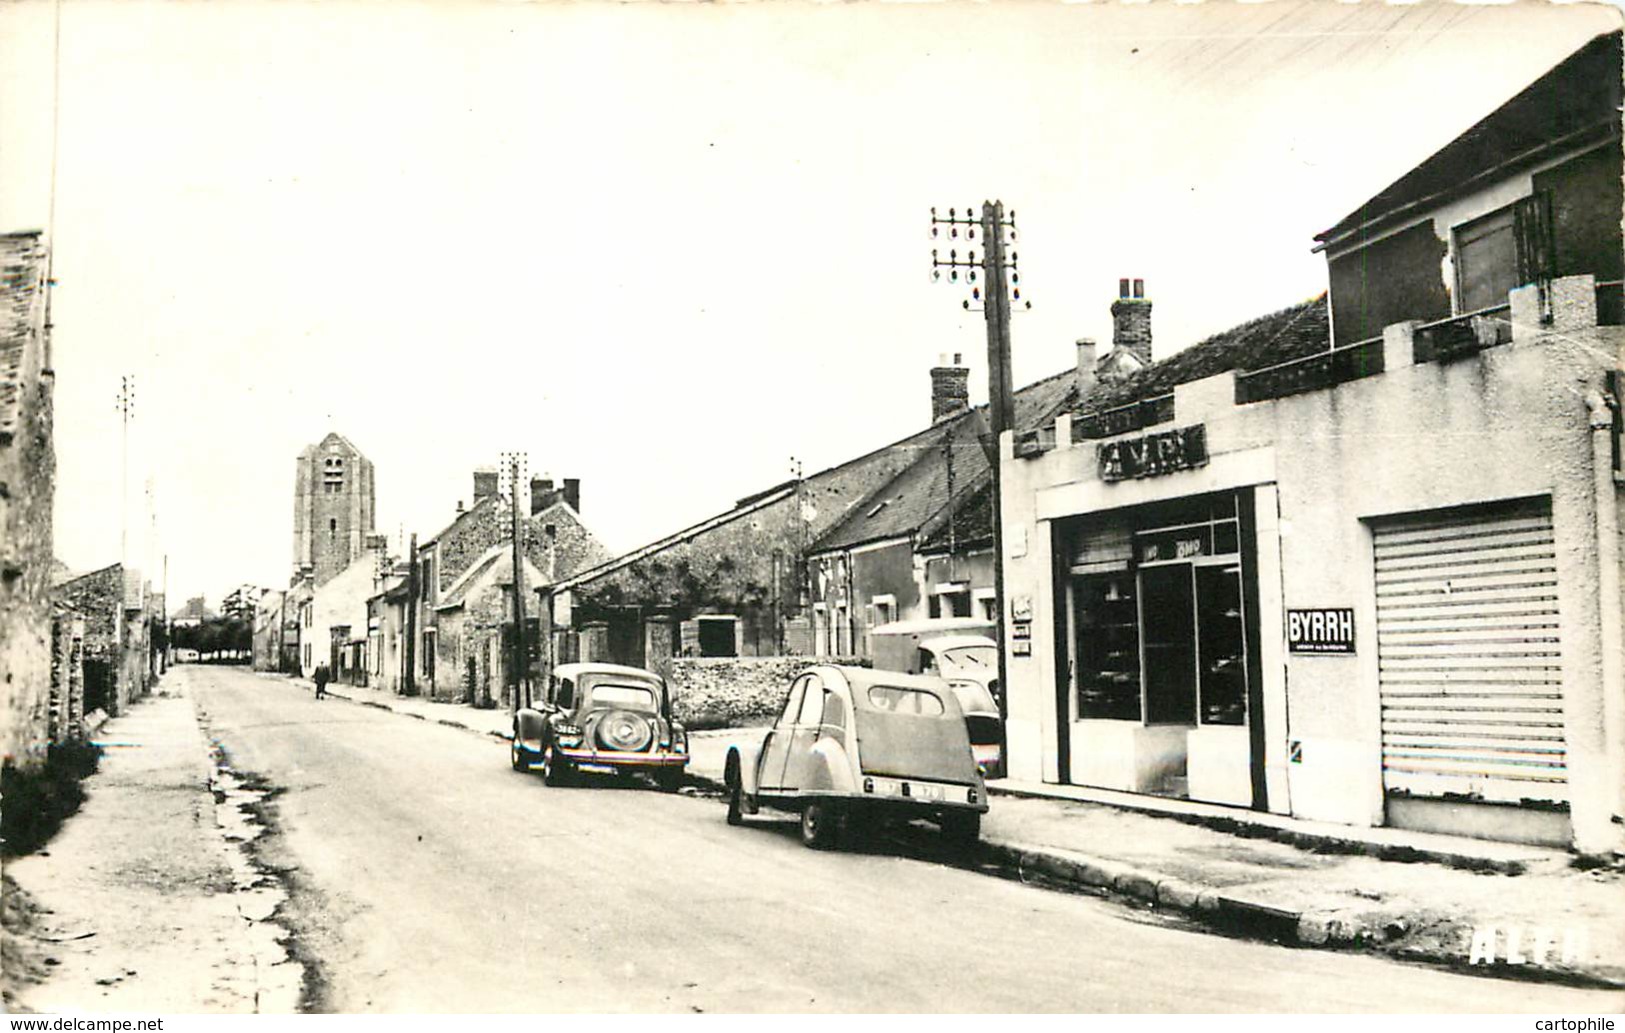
{"points": [[905, 701]]}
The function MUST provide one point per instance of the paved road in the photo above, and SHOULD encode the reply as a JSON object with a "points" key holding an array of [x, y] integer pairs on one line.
{"points": [[440, 880]]}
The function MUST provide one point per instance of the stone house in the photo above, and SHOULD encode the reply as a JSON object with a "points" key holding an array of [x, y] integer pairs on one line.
{"points": [[555, 543], [731, 585], [27, 494], [1358, 560], [475, 622], [66, 713], [115, 645]]}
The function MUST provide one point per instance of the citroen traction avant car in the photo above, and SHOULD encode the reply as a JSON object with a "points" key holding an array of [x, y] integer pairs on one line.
{"points": [[855, 746], [604, 718], [962, 652]]}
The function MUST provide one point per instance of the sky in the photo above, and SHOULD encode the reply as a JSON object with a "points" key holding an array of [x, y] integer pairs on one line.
{"points": [[660, 247]]}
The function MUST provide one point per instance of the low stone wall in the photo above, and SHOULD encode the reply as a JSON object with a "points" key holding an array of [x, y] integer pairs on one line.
{"points": [[728, 692]]}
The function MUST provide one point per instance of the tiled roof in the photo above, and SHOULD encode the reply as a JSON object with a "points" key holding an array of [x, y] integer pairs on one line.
{"points": [[459, 518], [498, 559], [1581, 94], [22, 278], [1292, 333], [972, 521], [910, 500]]}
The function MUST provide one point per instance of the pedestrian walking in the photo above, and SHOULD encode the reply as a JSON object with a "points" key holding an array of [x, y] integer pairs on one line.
{"points": [[321, 677]]}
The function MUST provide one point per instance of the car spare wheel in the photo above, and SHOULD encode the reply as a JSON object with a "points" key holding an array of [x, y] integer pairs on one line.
{"points": [[624, 731]]}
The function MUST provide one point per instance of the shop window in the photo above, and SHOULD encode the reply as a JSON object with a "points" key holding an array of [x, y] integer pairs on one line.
{"points": [[1157, 627], [1221, 648], [1107, 647], [1168, 617]]}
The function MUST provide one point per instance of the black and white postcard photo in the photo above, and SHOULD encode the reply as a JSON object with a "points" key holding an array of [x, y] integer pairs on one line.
{"points": [[1109, 511]]}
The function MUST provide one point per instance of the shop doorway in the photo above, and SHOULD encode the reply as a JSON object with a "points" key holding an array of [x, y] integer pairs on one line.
{"points": [[1161, 674]]}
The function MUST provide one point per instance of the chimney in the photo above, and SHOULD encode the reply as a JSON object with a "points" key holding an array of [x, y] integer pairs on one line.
{"points": [[1088, 356], [1131, 320], [485, 483], [572, 492], [541, 492], [950, 387]]}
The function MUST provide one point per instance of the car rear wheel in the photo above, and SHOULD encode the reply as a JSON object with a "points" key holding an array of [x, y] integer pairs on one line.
{"points": [[819, 825], [555, 769], [961, 828]]}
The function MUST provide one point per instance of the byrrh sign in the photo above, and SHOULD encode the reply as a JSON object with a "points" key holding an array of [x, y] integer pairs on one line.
{"points": [[1152, 455], [1320, 631]]}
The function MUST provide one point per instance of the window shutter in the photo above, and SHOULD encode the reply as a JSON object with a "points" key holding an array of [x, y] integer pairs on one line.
{"points": [[1532, 228]]}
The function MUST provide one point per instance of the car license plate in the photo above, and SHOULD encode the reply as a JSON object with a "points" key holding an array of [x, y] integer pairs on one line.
{"points": [[926, 792]]}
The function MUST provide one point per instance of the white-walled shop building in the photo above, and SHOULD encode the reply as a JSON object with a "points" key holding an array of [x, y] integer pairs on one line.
{"points": [[1376, 584]]}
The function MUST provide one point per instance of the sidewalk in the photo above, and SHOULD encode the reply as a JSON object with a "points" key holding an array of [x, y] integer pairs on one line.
{"points": [[1414, 895], [497, 722], [145, 901]]}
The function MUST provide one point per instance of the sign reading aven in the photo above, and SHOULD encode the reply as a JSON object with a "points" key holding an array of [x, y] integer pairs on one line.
{"points": [[1153, 454], [1320, 631]]}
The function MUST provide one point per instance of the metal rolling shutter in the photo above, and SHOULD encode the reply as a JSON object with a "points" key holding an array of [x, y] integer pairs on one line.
{"points": [[1468, 654]]}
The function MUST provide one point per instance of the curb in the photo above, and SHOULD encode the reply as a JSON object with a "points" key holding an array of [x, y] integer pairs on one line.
{"points": [[1255, 917], [1314, 841]]}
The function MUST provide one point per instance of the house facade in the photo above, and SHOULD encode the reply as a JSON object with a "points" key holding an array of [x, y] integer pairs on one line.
{"points": [[115, 644], [555, 543], [1376, 583], [736, 584], [334, 628], [920, 544]]}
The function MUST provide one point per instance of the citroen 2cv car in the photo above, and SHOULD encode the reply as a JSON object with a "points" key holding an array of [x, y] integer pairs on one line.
{"points": [[604, 718], [855, 745], [962, 652]]}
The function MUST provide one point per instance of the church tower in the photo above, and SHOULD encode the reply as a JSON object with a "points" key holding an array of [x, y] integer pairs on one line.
{"points": [[333, 507]]}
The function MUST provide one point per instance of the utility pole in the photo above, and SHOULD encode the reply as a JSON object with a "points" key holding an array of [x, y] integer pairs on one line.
{"points": [[126, 409], [994, 293], [521, 680], [802, 575], [409, 676]]}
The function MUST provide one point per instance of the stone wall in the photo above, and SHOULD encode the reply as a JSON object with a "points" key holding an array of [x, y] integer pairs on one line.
{"points": [[27, 493], [726, 692]]}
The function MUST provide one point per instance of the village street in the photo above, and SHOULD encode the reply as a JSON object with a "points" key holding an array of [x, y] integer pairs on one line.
{"points": [[429, 876]]}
